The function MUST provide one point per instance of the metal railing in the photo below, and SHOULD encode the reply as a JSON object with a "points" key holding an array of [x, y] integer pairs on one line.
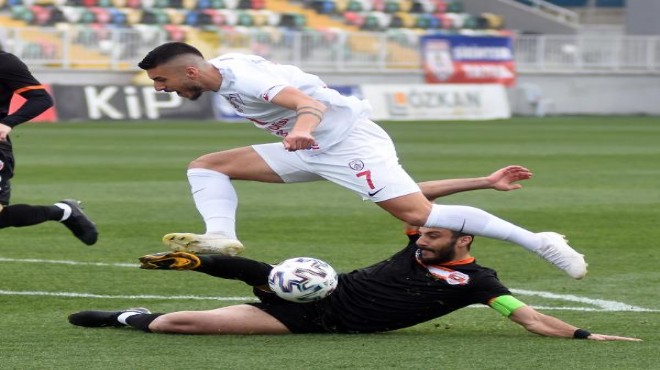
{"points": [[588, 53], [83, 47], [560, 13]]}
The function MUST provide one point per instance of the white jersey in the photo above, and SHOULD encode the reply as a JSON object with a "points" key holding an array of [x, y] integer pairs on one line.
{"points": [[250, 82]]}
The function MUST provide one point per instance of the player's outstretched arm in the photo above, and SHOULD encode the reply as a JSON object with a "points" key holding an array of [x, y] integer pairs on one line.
{"points": [[550, 326], [504, 179]]}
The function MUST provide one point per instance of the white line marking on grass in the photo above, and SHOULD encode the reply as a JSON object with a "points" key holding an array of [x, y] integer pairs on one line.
{"points": [[601, 305], [64, 262], [140, 296], [604, 305]]}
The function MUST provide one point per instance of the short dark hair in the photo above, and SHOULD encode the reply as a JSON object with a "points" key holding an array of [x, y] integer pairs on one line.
{"points": [[166, 52], [457, 234]]}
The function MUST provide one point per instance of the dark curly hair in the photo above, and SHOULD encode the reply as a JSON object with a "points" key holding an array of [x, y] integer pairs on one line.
{"points": [[166, 52]]}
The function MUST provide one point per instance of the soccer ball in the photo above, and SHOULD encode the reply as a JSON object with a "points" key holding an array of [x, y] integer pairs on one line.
{"points": [[302, 279]]}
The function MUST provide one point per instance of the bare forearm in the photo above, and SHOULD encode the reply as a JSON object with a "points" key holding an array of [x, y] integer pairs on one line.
{"points": [[440, 188], [551, 327]]}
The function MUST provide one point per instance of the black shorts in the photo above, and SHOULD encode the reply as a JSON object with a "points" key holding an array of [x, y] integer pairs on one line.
{"points": [[299, 318], [6, 173]]}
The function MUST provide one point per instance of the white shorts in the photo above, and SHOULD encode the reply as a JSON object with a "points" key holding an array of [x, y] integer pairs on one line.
{"points": [[365, 162]]}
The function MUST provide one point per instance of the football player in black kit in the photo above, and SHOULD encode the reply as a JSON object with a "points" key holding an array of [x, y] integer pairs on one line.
{"points": [[15, 78], [432, 276]]}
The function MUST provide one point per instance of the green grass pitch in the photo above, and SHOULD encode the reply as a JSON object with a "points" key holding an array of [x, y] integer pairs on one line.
{"points": [[596, 179]]}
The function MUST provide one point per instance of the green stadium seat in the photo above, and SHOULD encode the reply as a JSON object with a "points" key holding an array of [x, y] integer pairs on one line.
{"points": [[245, 19], [455, 7]]}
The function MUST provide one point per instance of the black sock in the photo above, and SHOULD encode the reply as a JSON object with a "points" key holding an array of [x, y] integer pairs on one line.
{"points": [[142, 321], [19, 215], [251, 272]]}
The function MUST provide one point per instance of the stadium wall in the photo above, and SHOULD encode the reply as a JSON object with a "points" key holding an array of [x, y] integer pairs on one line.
{"points": [[533, 93]]}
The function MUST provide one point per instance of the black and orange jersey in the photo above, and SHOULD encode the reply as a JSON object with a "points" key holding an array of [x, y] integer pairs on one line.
{"points": [[402, 291], [15, 78]]}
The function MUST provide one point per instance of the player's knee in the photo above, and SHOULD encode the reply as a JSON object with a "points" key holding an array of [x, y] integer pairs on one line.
{"points": [[215, 161], [414, 218]]}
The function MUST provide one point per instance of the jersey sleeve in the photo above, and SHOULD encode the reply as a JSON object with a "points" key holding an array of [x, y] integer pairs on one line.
{"points": [[17, 77], [488, 287]]}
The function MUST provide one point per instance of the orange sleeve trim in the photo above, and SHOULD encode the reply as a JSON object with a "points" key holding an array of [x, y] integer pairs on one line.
{"points": [[412, 232], [28, 88]]}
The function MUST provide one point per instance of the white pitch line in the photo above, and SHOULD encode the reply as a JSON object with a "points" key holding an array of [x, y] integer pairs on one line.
{"points": [[140, 296], [64, 262], [601, 304], [605, 305]]}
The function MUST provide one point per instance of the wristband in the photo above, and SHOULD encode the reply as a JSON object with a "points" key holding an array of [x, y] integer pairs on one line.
{"points": [[581, 334]]}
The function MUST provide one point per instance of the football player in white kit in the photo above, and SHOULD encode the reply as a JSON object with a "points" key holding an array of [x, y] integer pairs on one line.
{"points": [[324, 136]]}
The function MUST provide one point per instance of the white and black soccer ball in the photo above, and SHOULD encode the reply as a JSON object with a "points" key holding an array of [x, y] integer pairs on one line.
{"points": [[302, 279]]}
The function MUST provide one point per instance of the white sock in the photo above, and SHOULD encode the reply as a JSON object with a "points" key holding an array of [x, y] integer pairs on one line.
{"points": [[475, 221], [215, 199], [125, 315], [66, 208]]}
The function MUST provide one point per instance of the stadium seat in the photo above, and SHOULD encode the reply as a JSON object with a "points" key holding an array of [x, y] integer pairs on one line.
{"points": [[272, 18], [259, 18], [175, 15], [217, 18], [354, 19], [323, 6], [245, 19], [231, 4], [87, 17], [392, 7], [103, 15], [355, 6], [491, 21], [175, 33], [293, 20], [118, 18], [445, 22], [40, 15], [427, 21]]}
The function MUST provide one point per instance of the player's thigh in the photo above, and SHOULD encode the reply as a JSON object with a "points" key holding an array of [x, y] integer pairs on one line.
{"points": [[238, 319], [289, 166], [242, 163]]}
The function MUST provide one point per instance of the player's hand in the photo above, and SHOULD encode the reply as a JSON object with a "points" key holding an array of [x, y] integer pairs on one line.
{"points": [[298, 141], [4, 131], [505, 178], [612, 337]]}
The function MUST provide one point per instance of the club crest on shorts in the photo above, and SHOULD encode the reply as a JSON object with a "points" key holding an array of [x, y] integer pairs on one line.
{"points": [[356, 165]]}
